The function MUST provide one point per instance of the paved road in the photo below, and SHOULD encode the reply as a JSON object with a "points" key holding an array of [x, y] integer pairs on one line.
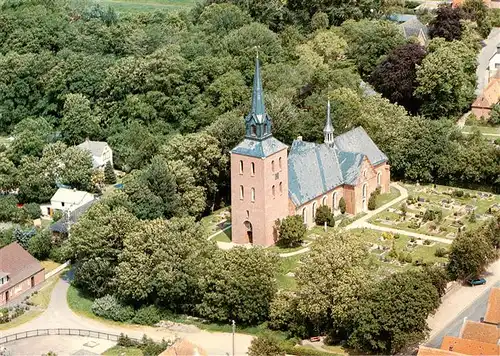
{"points": [[59, 315], [473, 312]]}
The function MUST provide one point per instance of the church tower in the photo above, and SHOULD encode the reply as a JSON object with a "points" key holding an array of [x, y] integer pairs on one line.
{"points": [[259, 176]]}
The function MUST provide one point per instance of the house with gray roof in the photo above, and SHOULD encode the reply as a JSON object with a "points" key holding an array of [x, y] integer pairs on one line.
{"points": [[270, 180], [100, 151], [414, 28]]}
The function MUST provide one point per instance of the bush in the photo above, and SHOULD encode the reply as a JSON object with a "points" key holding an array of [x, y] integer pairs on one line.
{"points": [[32, 210], [372, 202], [472, 217], [324, 214], [147, 315], [427, 242], [40, 244], [457, 193], [58, 254], [57, 215], [265, 345], [109, 174], [342, 205], [440, 252], [125, 341], [108, 307], [8, 208], [291, 231]]}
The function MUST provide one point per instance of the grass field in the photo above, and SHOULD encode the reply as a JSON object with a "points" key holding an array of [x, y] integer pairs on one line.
{"points": [[134, 6], [485, 130], [123, 351], [49, 265]]}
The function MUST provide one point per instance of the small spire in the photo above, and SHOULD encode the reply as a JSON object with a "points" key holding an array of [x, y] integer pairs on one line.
{"points": [[258, 107], [328, 130]]}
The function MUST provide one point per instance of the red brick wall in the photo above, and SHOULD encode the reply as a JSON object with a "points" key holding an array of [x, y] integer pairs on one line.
{"points": [[22, 287], [267, 207], [481, 113], [326, 199]]}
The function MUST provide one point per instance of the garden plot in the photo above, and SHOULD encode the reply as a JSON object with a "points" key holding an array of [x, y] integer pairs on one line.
{"points": [[439, 210]]}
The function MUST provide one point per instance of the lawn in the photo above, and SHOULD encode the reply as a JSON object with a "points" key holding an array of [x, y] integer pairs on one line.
{"points": [[133, 6], [216, 221], [223, 236], [287, 265], [387, 197], [49, 265], [41, 301], [123, 351], [485, 130]]}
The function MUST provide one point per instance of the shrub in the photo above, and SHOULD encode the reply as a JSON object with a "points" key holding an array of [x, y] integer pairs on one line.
{"points": [[58, 214], [324, 214], [40, 244], [147, 315], [440, 252], [427, 242], [108, 307], [433, 215], [32, 210], [109, 174], [8, 207], [342, 205], [372, 202], [458, 193], [291, 231], [125, 341], [472, 217], [265, 345], [152, 348]]}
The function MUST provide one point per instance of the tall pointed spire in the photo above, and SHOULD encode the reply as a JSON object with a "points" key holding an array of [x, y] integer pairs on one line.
{"points": [[258, 122], [258, 106], [328, 130]]}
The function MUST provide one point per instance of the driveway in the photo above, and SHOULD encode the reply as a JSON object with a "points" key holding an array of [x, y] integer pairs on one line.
{"points": [[59, 315]]}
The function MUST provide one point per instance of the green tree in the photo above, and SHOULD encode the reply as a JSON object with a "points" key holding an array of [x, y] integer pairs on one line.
{"points": [[495, 115], [240, 286], [76, 169], [8, 174], [95, 276], [79, 121], [265, 345], [477, 10], [368, 40], [40, 245], [372, 201], [30, 137], [324, 215], [291, 231], [469, 255], [446, 79], [219, 19], [164, 261], [447, 23], [393, 314], [109, 174], [32, 210], [331, 279]]}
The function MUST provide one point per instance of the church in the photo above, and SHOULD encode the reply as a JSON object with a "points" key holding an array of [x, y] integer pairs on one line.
{"points": [[268, 182]]}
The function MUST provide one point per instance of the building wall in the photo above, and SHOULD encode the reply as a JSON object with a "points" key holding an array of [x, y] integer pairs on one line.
{"points": [[494, 64], [481, 112], [60, 205], [308, 210], [261, 212], [368, 177], [22, 287], [107, 155], [384, 169]]}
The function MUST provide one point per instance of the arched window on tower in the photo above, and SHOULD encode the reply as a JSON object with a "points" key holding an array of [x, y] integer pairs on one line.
{"points": [[281, 187], [254, 130], [253, 194], [242, 192], [272, 165], [279, 163], [252, 165], [266, 129], [241, 167], [274, 191]]}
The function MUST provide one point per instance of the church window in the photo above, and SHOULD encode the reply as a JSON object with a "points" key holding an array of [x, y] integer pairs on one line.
{"points": [[281, 187], [334, 203], [304, 216], [323, 202], [252, 165], [314, 210], [242, 192], [365, 190], [272, 165], [248, 214], [364, 173], [253, 194], [241, 167], [274, 191], [379, 178], [265, 129], [254, 130], [279, 163]]}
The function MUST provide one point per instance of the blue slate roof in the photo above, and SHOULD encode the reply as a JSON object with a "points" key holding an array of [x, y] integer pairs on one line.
{"points": [[260, 149], [314, 169], [357, 140]]}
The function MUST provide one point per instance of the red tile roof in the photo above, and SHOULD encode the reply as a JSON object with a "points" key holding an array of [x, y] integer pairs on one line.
{"points": [[18, 264], [493, 310], [429, 351], [183, 347], [474, 330], [489, 96], [469, 347]]}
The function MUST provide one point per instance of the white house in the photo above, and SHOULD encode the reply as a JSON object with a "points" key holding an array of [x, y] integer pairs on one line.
{"points": [[68, 200], [100, 151]]}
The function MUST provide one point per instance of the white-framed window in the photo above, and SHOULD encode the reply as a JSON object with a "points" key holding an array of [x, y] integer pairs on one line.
{"points": [[314, 210], [241, 167], [252, 165], [304, 215], [253, 194], [254, 130], [334, 201], [323, 201], [379, 178], [365, 190], [242, 192]]}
